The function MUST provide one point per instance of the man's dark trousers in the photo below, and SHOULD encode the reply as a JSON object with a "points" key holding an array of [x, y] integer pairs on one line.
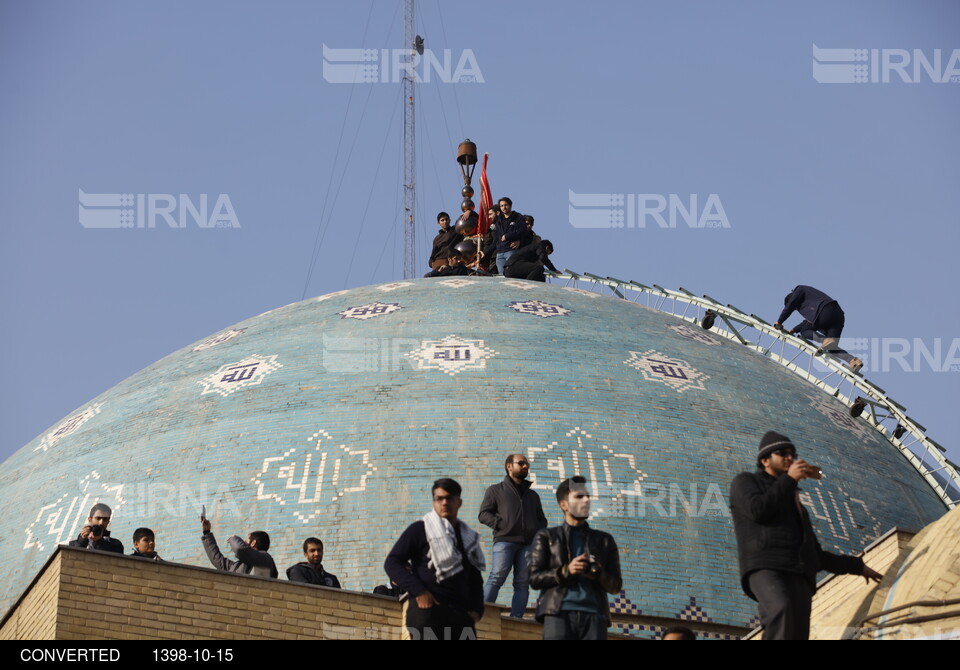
{"points": [[784, 599], [439, 623], [575, 625]]}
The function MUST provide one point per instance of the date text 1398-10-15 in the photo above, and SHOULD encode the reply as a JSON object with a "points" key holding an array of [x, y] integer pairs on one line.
{"points": [[201, 654]]}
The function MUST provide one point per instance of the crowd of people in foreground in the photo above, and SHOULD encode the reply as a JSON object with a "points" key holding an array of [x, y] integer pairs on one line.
{"points": [[509, 247], [437, 563]]}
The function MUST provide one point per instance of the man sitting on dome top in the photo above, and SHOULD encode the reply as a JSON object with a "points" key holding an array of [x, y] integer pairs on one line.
{"points": [[508, 230], [529, 261], [443, 243]]}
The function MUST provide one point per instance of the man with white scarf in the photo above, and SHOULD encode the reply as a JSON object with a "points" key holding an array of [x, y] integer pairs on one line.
{"points": [[438, 561]]}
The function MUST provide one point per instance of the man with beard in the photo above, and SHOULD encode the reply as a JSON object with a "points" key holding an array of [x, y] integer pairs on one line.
{"points": [[311, 571], [94, 535], [779, 552], [515, 514], [576, 567]]}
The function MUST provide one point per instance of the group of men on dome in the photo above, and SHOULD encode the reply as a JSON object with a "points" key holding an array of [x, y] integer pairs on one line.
{"points": [[509, 247], [438, 561], [252, 555]]}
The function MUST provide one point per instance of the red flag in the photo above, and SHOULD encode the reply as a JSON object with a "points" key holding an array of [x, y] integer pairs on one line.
{"points": [[486, 200]]}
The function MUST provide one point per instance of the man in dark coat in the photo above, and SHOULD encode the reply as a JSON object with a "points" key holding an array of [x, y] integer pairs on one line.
{"points": [[94, 535], [311, 571], [443, 243], [438, 562], [508, 232], [515, 514], [529, 261], [779, 552], [823, 320]]}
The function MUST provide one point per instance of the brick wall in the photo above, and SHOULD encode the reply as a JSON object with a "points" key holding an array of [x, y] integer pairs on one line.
{"points": [[87, 594], [841, 600], [82, 594], [927, 572], [34, 617]]}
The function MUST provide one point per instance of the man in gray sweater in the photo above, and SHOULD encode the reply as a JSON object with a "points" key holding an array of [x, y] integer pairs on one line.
{"points": [[252, 556]]}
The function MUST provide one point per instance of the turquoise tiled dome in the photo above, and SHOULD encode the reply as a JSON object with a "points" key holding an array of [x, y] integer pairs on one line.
{"points": [[332, 417]]}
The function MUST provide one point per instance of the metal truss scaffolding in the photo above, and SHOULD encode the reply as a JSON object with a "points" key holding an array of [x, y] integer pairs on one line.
{"points": [[826, 372]]}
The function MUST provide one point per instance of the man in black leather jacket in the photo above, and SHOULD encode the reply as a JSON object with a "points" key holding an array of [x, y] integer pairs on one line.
{"points": [[576, 567], [779, 552]]}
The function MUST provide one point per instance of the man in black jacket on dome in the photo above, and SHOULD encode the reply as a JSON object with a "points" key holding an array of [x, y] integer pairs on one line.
{"points": [[508, 232], [576, 567], [515, 514], [311, 571], [94, 535], [529, 260], [443, 243], [823, 321], [779, 552]]}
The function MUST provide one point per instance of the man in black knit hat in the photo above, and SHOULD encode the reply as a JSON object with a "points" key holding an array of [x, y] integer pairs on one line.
{"points": [[779, 553]]}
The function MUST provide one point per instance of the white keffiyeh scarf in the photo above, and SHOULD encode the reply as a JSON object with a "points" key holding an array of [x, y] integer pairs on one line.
{"points": [[445, 558]]}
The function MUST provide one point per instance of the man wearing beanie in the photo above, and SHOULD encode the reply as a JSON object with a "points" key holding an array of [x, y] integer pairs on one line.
{"points": [[779, 553]]}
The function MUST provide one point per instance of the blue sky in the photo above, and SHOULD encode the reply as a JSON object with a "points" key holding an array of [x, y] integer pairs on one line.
{"points": [[850, 187]]}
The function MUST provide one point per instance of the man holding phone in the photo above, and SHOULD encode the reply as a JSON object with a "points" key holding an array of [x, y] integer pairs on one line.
{"points": [[779, 552], [252, 556]]}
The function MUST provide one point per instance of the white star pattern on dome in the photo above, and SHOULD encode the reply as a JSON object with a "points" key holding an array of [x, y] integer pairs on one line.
{"points": [[219, 339], [67, 427], [692, 333], [66, 515], [369, 311], [305, 472], [452, 355], [233, 376], [457, 283], [394, 285], [331, 295], [538, 308], [516, 283], [675, 373]]}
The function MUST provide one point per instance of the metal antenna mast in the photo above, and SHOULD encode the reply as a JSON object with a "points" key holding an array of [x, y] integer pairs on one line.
{"points": [[415, 45]]}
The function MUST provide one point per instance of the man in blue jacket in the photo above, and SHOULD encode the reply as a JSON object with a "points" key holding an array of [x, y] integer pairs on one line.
{"points": [[822, 320]]}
